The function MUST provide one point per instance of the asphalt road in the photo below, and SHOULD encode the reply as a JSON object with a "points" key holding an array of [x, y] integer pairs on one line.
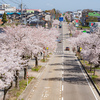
{"points": [[75, 82], [63, 77]]}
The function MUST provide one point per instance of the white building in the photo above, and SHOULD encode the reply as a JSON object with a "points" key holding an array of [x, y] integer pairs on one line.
{"points": [[8, 8], [77, 14], [48, 17]]}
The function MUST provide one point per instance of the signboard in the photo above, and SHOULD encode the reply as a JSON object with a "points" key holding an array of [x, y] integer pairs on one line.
{"points": [[47, 48], [80, 48], [60, 18], [76, 22]]}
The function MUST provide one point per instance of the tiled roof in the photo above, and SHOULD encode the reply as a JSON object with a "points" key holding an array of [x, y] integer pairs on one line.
{"points": [[1, 21]]}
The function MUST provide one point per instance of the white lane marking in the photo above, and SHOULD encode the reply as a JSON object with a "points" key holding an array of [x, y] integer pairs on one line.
{"points": [[47, 87], [62, 87], [87, 80], [62, 72], [62, 79]]}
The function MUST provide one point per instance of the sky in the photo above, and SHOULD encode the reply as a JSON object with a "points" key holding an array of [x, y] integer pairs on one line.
{"points": [[62, 5]]}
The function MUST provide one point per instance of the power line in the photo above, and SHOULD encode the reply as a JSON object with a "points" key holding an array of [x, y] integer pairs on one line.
{"points": [[14, 2], [1, 2], [5, 2]]}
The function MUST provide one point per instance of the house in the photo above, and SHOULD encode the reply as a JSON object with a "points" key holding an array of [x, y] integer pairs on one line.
{"points": [[29, 10], [1, 21], [7, 8], [77, 15]]}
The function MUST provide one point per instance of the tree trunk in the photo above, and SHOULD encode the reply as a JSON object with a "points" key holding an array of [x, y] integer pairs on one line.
{"points": [[17, 79], [94, 71], [31, 55], [43, 56], [36, 61], [5, 91], [90, 68], [25, 73]]}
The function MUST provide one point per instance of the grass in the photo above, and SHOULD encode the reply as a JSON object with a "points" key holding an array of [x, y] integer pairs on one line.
{"points": [[85, 63], [43, 60], [36, 68], [89, 71], [70, 35], [50, 53], [84, 27], [15, 93], [96, 68], [48, 56], [93, 77]]}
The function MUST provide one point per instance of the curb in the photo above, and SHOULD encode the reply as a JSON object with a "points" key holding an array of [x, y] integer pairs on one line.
{"points": [[89, 77], [41, 69]]}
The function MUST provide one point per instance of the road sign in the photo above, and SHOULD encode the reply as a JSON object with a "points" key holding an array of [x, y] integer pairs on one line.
{"points": [[60, 18], [47, 48], [80, 48]]}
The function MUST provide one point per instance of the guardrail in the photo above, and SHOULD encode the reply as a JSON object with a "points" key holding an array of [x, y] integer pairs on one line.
{"points": [[89, 77]]}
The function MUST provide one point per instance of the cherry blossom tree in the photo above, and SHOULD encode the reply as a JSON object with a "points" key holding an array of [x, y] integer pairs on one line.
{"points": [[16, 43], [67, 17], [90, 44], [55, 22]]}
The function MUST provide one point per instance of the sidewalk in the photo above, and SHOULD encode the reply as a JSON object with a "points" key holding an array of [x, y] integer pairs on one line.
{"points": [[26, 92], [30, 72]]}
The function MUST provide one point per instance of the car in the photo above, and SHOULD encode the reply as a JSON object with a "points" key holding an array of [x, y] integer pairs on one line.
{"points": [[67, 49], [58, 40], [59, 26]]}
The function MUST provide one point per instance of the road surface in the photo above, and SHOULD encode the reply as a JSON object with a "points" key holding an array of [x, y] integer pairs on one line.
{"points": [[63, 77]]}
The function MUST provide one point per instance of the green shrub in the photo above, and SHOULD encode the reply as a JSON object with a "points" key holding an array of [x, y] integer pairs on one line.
{"points": [[36, 68]]}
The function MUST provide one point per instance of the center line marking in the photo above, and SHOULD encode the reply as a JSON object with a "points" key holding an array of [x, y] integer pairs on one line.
{"points": [[62, 87]]}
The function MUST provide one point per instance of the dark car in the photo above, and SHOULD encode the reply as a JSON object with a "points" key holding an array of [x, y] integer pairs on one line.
{"points": [[67, 49], [60, 26]]}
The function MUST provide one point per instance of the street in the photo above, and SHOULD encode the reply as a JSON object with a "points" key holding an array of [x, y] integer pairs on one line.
{"points": [[63, 77]]}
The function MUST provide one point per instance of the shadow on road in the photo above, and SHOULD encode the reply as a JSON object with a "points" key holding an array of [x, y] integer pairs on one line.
{"points": [[55, 64], [72, 73], [72, 79], [66, 56]]}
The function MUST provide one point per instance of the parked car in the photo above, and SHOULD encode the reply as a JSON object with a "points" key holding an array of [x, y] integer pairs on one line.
{"points": [[60, 26], [94, 28], [67, 49]]}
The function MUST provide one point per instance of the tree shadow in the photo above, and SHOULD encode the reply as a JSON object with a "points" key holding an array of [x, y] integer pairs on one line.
{"points": [[55, 64], [72, 80], [66, 56], [69, 70], [1, 30], [53, 79], [76, 80]]}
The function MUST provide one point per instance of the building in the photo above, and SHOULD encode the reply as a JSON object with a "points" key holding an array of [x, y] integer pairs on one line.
{"points": [[29, 10], [7, 8], [77, 15]]}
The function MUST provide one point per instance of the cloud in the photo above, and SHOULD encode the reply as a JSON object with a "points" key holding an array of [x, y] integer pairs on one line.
{"points": [[49, 4]]}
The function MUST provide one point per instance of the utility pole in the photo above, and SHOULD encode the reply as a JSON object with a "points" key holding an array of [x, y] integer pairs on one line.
{"points": [[21, 9]]}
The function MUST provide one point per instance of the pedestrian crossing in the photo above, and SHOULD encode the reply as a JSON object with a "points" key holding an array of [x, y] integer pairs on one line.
{"points": [[58, 52]]}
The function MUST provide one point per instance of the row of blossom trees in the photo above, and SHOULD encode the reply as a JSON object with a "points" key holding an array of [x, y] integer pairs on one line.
{"points": [[90, 44], [17, 45]]}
